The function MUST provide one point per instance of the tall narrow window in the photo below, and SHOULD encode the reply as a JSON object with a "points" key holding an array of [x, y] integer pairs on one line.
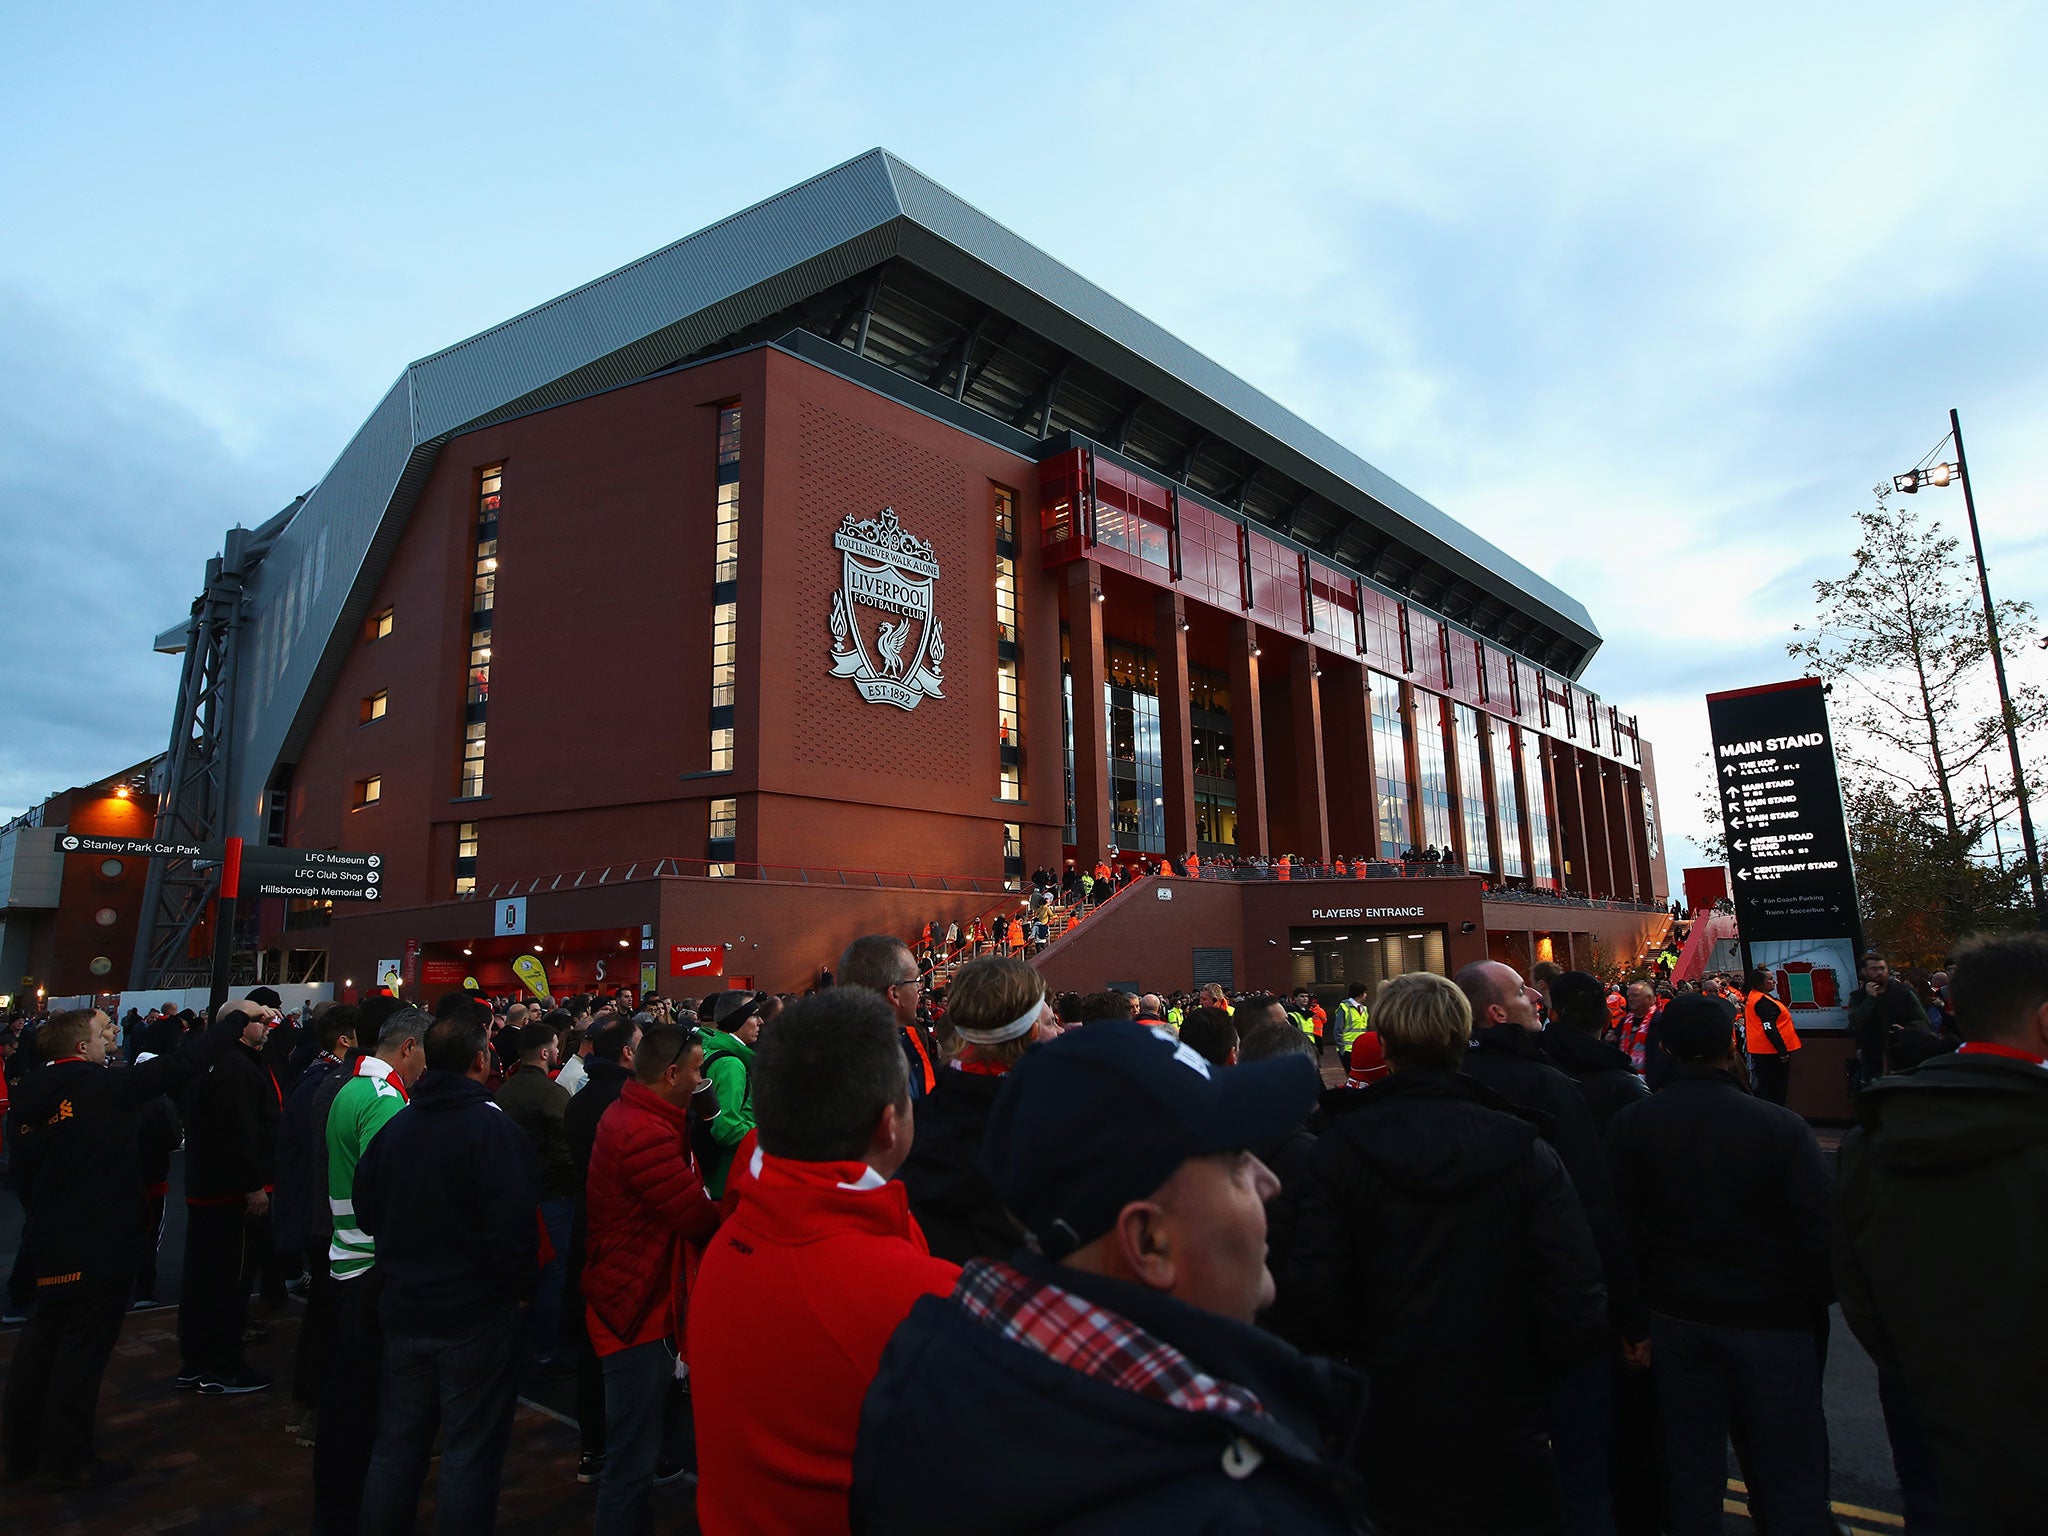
{"points": [[725, 574], [1472, 789], [483, 602], [1536, 796], [1009, 722], [1507, 799], [1433, 781], [465, 858], [1013, 856], [1390, 764], [725, 831]]}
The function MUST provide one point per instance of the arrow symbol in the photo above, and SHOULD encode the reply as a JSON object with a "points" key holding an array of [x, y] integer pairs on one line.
{"points": [[1742, 874], [1740, 845], [695, 965], [1729, 771]]}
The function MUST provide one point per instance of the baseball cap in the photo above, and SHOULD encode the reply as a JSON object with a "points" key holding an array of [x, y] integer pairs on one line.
{"points": [[1103, 1116], [267, 996]]}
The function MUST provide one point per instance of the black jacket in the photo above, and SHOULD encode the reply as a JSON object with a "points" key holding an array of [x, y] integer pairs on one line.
{"points": [[1726, 1200], [450, 1191], [579, 1121], [1439, 1248], [961, 1217], [231, 1129], [1607, 1079], [537, 1103], [1076, 1456], [1942, 1260], [299, 1215], [77, 1162], [1508, 1059]]}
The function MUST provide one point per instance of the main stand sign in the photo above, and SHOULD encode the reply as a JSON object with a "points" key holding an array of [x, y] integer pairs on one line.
{"points": [[1788, 844]]}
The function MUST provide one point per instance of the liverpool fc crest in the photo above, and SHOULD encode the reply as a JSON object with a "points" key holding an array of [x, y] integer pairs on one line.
{"points": [[885, 628]]}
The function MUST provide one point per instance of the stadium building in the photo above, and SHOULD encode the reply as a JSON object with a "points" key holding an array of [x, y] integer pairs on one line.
{"points": [[833, 568]]}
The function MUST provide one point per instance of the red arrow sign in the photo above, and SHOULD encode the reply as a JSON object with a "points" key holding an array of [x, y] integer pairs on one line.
{"points": [[696, 960]]}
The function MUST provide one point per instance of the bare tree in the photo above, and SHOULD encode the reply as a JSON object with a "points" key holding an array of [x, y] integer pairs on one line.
{"points": [[1901, 642]]}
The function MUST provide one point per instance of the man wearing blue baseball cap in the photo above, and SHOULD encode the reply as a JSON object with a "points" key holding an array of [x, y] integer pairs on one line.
{"points": [[1109, 1378]]}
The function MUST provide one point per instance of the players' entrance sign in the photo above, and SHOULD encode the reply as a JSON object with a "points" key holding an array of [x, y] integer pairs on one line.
{"points": [[886, 634], [1788, 843]]}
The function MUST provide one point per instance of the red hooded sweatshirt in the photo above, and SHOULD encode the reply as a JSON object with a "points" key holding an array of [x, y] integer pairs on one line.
{"points": [[796, 1298]]}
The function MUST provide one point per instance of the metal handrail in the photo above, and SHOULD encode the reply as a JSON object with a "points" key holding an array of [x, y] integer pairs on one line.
{"points": [[733, 869]]}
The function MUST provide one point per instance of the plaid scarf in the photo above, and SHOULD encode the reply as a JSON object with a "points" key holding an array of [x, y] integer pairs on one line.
{"points": [[1076, 1333]]}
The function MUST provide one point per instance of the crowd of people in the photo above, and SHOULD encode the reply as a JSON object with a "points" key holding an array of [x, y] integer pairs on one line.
{"points": [[903, 1257]]}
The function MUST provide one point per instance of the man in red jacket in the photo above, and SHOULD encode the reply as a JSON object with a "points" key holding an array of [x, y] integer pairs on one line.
{"points": [[645, 1202], [818, 1264]]}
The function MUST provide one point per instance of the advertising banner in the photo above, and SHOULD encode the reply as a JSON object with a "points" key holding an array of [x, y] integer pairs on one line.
{"points": [[1788, 844]]}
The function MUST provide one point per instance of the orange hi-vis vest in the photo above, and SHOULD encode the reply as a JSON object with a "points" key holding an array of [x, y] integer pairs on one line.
{"points": [[1753, 1026]]}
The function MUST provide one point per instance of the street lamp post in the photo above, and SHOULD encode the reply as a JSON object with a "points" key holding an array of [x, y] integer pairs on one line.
{"points": [[1910, 483]]}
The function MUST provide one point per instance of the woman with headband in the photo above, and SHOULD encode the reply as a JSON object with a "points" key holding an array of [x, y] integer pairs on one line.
{"points": [[998, 1008]]}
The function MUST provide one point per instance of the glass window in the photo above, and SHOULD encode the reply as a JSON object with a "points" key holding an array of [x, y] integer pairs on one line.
{"points": [[380, 626], [1472, 789], [725, 553], [465, 840], [1389, 763], [724, 652], [1536, 796], [1507, 799], [1215, 820], [374, 706], [465, 858], [725, 818], [473, 759], [369, 791], [722, 749], [480, 667], [1433, 778]]}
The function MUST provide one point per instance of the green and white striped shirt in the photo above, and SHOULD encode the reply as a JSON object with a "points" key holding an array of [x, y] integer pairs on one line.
{"points": [[359, 1111]]}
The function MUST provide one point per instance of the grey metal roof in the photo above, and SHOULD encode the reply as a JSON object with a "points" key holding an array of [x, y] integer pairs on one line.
{"points": [[321, 570]]}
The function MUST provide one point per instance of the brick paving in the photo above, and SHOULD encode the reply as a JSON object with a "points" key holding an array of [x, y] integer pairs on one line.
{"points": [[211, 1466]]}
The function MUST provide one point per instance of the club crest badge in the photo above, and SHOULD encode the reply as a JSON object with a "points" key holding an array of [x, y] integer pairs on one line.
{"points": [[886, 634]]}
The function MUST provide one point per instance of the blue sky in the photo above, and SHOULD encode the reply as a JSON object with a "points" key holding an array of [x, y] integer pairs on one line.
{"points": [[1650, 301]]}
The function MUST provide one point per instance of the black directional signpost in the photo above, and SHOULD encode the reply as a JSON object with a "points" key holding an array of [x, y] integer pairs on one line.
{"points": [[1788, 844], [312, 874]]}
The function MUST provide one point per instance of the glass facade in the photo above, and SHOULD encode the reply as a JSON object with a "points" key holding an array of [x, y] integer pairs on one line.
{"points": [[724, 830], [1508, 810], [1214, 742], [482, 606], [1536, 795], [1389, 764], [1067, 740], [725, 608], [1137, 766], [1433, 780], [1472, 790]]}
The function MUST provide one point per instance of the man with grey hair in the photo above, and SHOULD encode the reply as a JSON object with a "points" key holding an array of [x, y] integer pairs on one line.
{"points": [[880, 962], [1151, 1010]]}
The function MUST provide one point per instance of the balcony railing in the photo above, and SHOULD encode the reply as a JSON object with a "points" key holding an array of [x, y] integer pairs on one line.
{"points": [[788, 874]]}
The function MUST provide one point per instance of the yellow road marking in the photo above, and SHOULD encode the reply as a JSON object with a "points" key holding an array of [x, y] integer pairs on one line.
{"points": [[1857, 1511]]}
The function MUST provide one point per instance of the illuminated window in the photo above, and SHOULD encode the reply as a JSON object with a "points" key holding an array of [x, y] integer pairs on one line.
{"points": [[1009, 719], [483, 602], [725, 610], [380, 626], [473, 759], [1013, 856], [369, 791], [1536, 796], [465, 858], [374, 705], [725, 819]]}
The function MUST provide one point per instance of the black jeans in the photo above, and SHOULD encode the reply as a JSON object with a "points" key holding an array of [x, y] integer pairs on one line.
{"points": [[1773, 1076], [213, 1302], [348, 1405], [316, 1332], [467, 1383], [1764, 1383], [53, 1386], [153, 1235]]}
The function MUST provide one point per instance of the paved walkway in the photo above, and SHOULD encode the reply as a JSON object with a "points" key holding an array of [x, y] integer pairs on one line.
{"points": [[209, 1466]]}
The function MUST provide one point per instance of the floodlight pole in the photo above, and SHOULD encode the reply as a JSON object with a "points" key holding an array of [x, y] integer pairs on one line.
{"points": [[2005, 709]]}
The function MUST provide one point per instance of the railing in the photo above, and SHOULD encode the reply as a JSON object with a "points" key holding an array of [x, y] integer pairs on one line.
{"points": [[1566, 899], [729, 869]]}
